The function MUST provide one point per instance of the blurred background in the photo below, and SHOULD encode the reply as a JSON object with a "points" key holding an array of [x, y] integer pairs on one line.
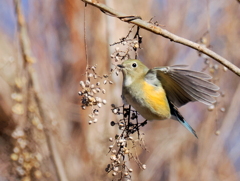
{"points": [[50, 138]]}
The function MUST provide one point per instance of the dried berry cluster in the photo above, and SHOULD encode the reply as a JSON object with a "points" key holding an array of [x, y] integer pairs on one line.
{"points": [[124, 146], [26, 162], [132, 45], [216, 71], [90, 90]]}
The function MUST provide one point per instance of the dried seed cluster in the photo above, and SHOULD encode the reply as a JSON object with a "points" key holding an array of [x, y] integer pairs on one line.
{"points": [[17, 96], [216, 71], [131, 46], [124, 145], [90, 90], [26, 163]]}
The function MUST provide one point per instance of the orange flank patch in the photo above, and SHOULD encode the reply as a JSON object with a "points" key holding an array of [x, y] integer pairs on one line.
{"points": [[155, 97]]}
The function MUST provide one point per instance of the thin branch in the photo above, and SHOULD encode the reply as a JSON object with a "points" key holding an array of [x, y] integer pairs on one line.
{"points": [[33, 83], [160, 31]]}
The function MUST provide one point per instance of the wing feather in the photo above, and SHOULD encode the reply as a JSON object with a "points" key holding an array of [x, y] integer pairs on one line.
{"points": [[183, 86]]}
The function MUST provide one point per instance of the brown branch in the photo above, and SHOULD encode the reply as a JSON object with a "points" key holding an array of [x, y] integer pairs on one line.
{"points": [[33, 84], [160, 31]]}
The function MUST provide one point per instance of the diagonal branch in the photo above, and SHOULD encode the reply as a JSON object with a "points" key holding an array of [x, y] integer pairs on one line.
{"points": [[160, 31]]}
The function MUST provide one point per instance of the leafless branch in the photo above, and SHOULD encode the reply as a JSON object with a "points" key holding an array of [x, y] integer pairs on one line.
{"points": [[160, 31]]}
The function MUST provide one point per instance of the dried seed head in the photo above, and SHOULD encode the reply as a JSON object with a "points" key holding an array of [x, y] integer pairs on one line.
{"points": [[110, 82], [121, 124], [115, 111], [130, 170], [91, 99], [116, 169], [91, 116], [92, 86], [121, 140], [87, 83], [98, 99], [114, 174], [113, 157], [211, 107], [90, 75], [14, 157], [38, 174], [144, 166], [225, 69], [105, 81], [82, 84], [215, 66], [90, 122], [98, 84], [110, 139], [95, 120], [117, 58], [222, 109], [104, 101], [16, 150], [211, 70], [217, 132], [95, 111], [126, 151], [103, 91], [98, 89], [99, 105], [207, 61], [94, 91], [136, 45], [111, 146]]}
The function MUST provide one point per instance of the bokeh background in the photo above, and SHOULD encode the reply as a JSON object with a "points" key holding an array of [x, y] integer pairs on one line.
{"points": [[56, 34]]}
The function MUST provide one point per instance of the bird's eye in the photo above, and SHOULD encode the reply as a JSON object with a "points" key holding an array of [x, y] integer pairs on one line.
{"points": [[134, 65]]}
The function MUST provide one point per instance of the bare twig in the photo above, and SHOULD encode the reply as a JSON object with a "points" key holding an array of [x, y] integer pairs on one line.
{"points": [[160, 31], [33, 84]]}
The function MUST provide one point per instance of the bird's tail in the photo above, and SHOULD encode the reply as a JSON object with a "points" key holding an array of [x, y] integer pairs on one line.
{"points": [[179, 118], [186, 125]]}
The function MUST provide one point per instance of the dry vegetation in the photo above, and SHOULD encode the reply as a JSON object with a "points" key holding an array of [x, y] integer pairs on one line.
{"points": [[44, 126]]}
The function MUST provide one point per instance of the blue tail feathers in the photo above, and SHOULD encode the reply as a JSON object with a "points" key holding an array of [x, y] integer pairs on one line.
{"points": [[179, 117], [186, 125]]}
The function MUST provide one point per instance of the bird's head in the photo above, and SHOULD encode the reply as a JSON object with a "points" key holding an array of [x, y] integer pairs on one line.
{"points": [[132, 70]]}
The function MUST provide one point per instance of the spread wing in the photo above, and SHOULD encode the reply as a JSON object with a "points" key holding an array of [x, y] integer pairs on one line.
{"points": [[182, 85]]}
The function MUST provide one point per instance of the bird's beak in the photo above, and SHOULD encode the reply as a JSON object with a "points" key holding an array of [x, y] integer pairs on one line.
{"points": [[120, 66]]}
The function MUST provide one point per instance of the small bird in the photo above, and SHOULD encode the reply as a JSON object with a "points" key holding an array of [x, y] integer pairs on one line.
{"points": [[158, 92]]}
